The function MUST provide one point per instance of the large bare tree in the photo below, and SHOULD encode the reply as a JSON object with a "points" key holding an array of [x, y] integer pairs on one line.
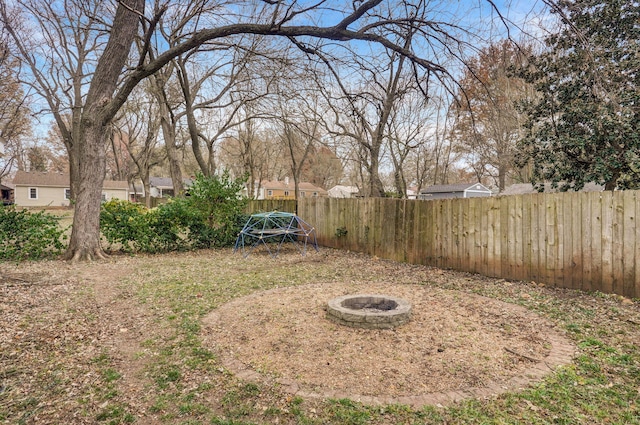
{"points": [[109, 29], [488, 120]]}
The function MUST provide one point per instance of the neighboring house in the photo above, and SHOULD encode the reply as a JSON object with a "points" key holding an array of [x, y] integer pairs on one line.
{"points": [[33, 189], [162, 187], [412, 192], [525, 188], [7, 192], [463, 190], [286, 190], [340, 191]]}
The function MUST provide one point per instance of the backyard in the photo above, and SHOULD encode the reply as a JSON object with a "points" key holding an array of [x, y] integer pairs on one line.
{"points": [[211, 337]]}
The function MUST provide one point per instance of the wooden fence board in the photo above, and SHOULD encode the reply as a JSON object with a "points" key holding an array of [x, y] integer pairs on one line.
{"points": [[534, 234], [607, 241], [515, 215], [392, 237], [554, 239], [507, 250], [483, 240], [567, 268], [636, 282], [446, 221], [465, 243], [545, 239], [496, 229], [527, 240], [596, 241], [617, 240], [460, 239], [587, 242], [631, 249], [478, 245], [577, 219]]}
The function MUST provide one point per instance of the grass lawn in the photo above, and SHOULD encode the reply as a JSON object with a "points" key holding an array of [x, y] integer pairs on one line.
{"points": [[120, 341]]}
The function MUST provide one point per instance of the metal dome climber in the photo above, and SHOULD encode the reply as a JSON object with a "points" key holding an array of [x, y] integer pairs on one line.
{"points": [[272, 230]]}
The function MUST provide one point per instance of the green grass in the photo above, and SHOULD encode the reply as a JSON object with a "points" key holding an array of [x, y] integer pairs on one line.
{"points": [[186, 384], [600, 387]]}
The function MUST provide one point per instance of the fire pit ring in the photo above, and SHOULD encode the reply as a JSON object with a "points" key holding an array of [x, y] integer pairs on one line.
{"points": [[369, 311]]}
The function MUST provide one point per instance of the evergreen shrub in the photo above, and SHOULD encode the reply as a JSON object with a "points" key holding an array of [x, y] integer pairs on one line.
{"points": [[28, 235], [210, 215]]}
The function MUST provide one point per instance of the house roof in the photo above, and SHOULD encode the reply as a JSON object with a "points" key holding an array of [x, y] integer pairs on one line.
{"points": [[161, 182], [24, 178], [449, 188], [7, 186], [167, 182], [340, 191], [347, 189], [282, 185]]}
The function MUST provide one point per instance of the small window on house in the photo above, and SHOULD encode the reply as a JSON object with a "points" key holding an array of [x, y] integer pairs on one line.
{"points": [[286, 193], [104, 197], [33, 193], [315, 194], [67, 194], [269, 192], [302, 194]]}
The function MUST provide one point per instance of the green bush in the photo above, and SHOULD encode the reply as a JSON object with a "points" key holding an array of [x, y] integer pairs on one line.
{"points": [[29, 236], [210, 216], [126, 225], [218, 202]]}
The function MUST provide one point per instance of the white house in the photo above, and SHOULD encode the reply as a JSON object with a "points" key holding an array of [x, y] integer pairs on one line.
{"points": [[340, 191], [35, 189]]}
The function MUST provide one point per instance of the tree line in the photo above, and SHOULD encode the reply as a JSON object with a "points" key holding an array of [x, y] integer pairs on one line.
{"points": [[379, 94]]}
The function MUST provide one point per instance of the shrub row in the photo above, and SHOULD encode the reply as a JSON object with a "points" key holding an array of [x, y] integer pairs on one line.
{"points": [[27, 236], [210, 216]]}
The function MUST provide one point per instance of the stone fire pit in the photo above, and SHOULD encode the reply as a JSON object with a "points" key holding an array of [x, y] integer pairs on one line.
{"points": [[369, 311]]}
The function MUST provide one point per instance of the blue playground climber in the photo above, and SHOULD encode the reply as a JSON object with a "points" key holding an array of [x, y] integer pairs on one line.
{"points": [[273, 229]]}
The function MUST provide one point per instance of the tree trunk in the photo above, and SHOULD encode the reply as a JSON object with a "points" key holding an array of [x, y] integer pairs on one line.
{"points": [[376, 188], [168, 126], [89, 148], [85, 235], [147, 189], [173, 158]]}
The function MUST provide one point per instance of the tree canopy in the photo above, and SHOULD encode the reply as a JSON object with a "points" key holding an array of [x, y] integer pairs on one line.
{"points": [[584, 126], [79, 58], [487, 122]]}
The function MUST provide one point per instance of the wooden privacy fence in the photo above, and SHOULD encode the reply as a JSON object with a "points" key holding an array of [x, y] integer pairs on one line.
{"points": [[268, 205], [588, 241]]}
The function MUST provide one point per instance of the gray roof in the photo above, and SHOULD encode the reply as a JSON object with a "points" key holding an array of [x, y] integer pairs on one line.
{"points": [[164, 182], [448, 188], [167, 182]]}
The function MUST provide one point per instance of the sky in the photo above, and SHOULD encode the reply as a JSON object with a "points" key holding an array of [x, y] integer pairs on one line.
{"points": [[478, 15]]}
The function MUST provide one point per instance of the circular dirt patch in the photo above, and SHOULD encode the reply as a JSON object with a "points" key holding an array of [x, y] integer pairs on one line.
{"points": [[457, 345]]}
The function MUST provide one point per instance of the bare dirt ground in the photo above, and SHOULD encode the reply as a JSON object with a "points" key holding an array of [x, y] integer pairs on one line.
{"points": [[453, 342]]}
